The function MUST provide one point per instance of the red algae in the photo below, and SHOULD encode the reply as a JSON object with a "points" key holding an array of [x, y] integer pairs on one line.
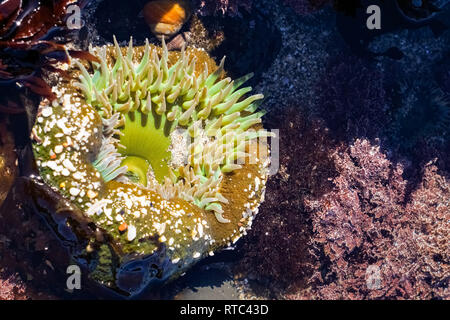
{"points": [[12, 288], [377, 242]]}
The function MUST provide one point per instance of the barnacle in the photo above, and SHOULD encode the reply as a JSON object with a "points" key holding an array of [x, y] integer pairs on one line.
{"points": [[158, 148]]}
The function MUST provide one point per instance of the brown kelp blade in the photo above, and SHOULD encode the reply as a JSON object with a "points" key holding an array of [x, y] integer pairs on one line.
{"points": [[84, 55], [40, 87], [9, 10]]}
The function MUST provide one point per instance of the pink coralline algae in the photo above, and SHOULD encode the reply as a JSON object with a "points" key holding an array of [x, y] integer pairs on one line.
{"points": [[357, 226], [11, 288], [222, 7], [374, 245], [430, 210]]}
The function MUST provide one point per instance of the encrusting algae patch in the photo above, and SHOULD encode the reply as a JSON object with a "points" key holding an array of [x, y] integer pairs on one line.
{"points": [[160, 149]]}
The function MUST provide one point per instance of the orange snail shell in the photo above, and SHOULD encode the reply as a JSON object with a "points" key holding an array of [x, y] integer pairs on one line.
{"points": [[166, 17]]}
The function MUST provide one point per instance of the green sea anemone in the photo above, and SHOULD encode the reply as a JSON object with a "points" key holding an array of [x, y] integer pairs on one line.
{"points": [[160, 149]]}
